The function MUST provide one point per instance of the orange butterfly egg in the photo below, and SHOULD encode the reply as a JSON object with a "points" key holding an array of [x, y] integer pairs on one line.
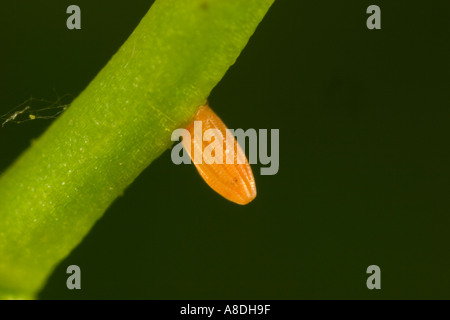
{"points": [[225, 167]]}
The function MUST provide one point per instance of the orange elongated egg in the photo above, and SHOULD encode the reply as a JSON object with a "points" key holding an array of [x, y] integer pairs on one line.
{"points": [[218, 157]]}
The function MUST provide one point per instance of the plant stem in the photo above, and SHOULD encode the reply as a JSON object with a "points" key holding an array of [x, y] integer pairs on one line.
{"points": [[58, 188]]}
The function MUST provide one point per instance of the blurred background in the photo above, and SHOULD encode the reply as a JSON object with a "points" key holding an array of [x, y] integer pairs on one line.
{"points": [[364, 156]]}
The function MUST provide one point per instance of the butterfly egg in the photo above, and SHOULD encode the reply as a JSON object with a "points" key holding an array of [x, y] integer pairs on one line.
{"points": [[221, 162]]}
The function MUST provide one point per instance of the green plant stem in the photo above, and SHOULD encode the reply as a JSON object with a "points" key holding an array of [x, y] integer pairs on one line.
{"points": [[54, 193]]}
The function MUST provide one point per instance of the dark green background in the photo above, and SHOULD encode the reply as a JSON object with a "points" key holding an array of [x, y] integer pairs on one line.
{"points": [[364, 156]]}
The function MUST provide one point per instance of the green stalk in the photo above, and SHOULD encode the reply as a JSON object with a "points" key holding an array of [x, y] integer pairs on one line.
{"points": [[55, 192]]}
